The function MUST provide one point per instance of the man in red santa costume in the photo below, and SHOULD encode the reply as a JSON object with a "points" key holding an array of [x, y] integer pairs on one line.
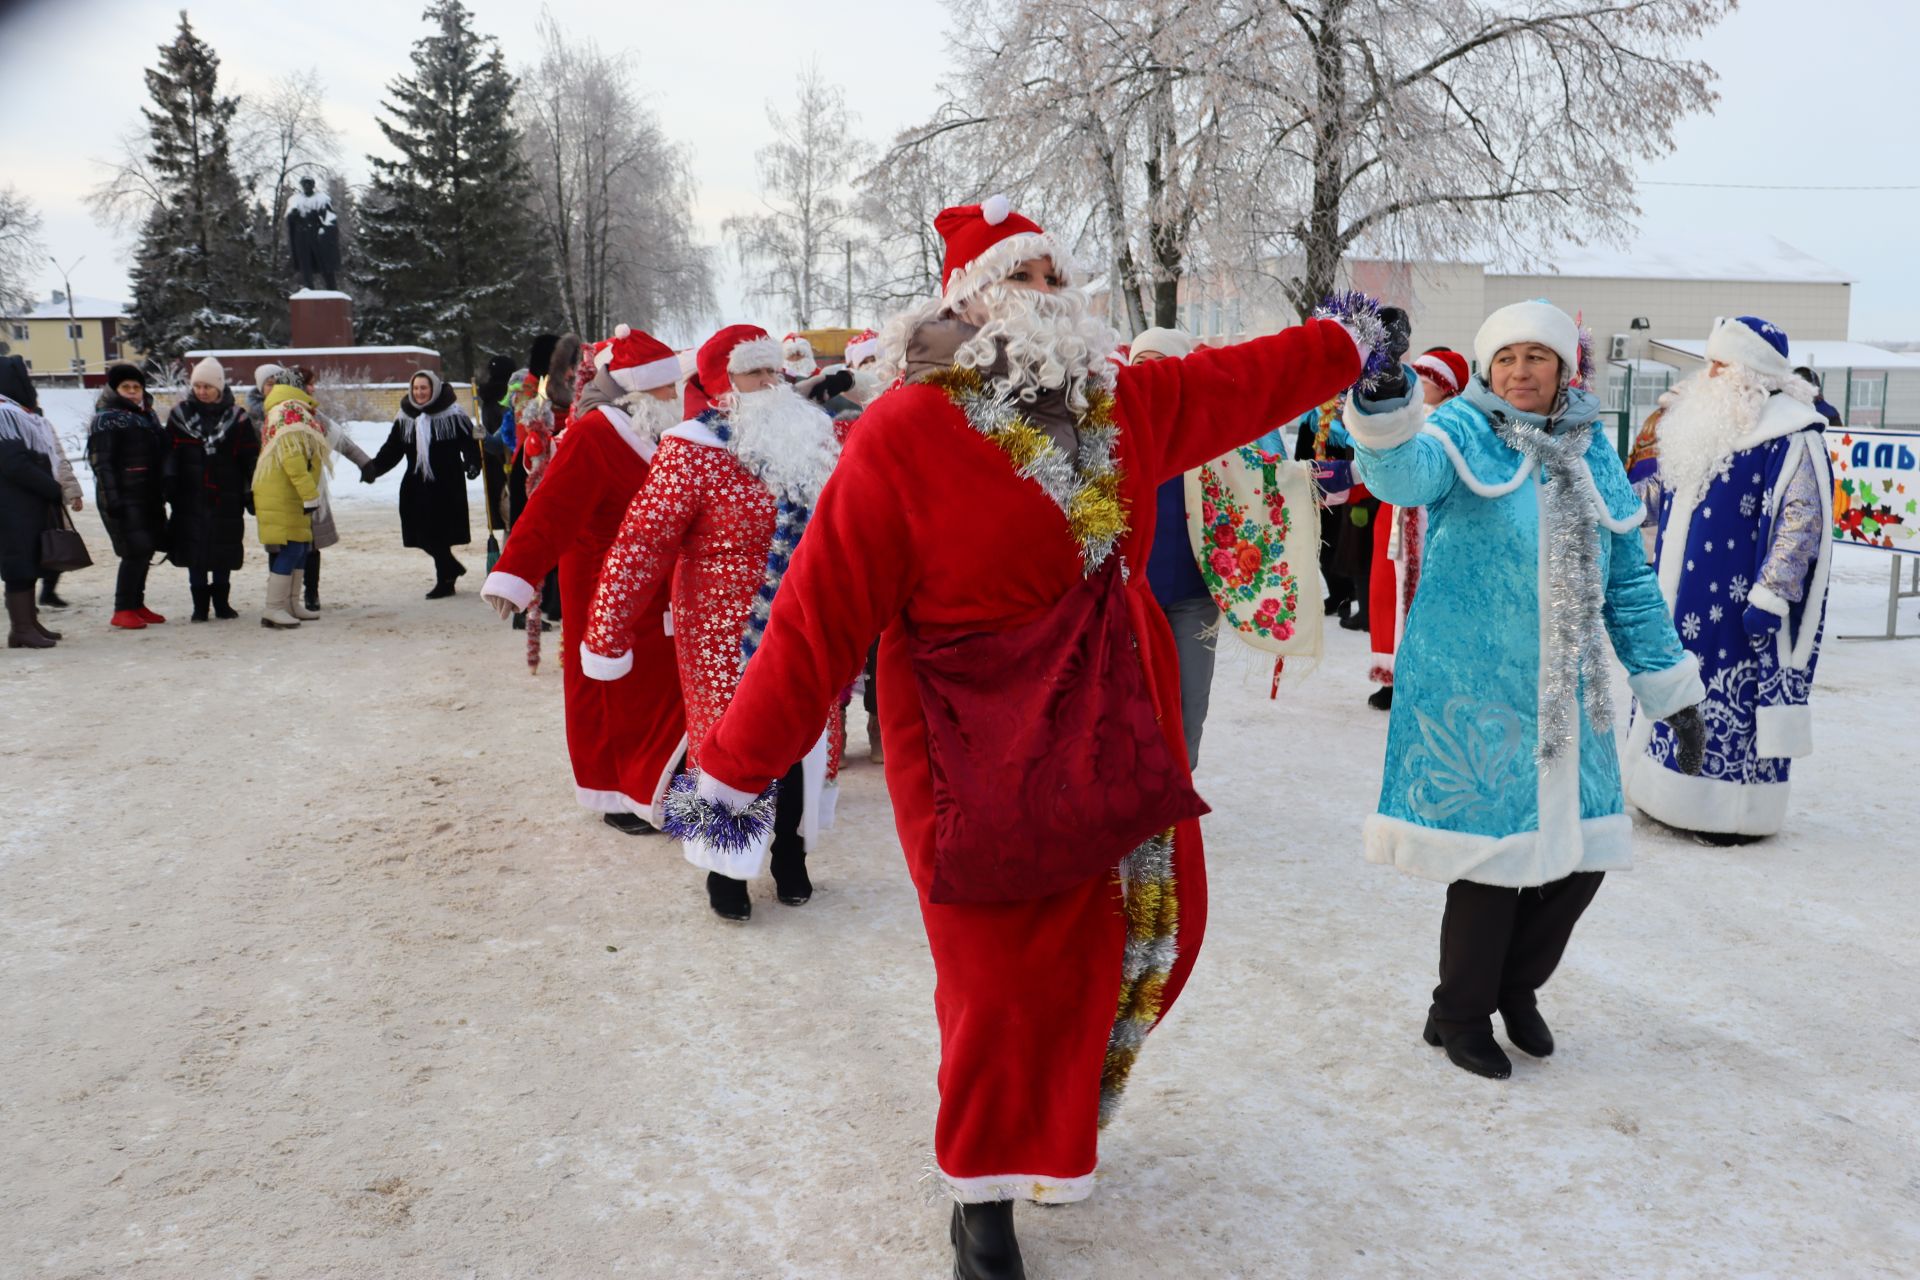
{"points": [[796, 356], [723, 508], [1399, 538], [623, 737], [991, 516]]}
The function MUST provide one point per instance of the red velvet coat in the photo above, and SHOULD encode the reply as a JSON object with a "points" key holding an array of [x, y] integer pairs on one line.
{"points": [[925, 521], [623, 736]]}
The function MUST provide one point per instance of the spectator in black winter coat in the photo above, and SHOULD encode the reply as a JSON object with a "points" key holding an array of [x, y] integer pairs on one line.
{"points": [[29, 495], [127, 448], [209, 487], [435, 438], [1827, 411], [491, 393]]}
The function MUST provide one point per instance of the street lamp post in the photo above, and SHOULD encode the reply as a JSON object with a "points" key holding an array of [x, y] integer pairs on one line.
{"points": [[73, 321]]}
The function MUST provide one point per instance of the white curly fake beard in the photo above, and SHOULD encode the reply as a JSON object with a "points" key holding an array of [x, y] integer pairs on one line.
{"points": [[1052, 340], [1701, 421], [780, 437], [651, 418]]}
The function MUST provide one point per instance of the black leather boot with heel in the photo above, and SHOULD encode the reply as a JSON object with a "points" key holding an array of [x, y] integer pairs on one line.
{"points": [[984, 1244]]}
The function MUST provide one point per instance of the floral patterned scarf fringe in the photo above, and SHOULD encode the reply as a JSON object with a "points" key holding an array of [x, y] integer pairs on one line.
{"points": [[1086, 489]]}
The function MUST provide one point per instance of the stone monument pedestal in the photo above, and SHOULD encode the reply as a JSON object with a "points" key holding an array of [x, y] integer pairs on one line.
{"points": [[320, 318]]}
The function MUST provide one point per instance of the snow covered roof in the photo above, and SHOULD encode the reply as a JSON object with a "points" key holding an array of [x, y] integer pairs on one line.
{"points": [[1746, 257], [316, 293], [1815, 354], [84, 308]]}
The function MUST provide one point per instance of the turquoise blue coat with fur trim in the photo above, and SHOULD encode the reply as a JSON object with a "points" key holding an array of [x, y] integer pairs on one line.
{"points": [[1464, 796]]}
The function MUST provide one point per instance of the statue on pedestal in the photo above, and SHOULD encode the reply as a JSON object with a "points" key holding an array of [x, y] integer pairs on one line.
{"points": [[313, 234]]}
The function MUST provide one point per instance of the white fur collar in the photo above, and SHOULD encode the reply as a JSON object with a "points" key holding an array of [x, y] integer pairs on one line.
{"points": [[1781, 416], [694, 431]]}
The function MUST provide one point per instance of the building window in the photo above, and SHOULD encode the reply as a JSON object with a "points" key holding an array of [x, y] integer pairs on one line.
{"points": [[1868, 393], [75, 331], [20, 332]]}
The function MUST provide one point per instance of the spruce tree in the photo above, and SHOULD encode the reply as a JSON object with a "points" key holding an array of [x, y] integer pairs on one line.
{"points": [[446, 243], [198, 280]]}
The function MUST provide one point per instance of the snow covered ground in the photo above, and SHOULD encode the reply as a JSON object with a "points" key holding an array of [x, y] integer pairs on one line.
{"points": [[313, 969]]}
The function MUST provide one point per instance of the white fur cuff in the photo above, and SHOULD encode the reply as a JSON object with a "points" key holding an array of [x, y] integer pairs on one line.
{"points": [[1661, 693], [714, 791], [516, 591], [1765, 598], [595, 666], [1385, 428]]}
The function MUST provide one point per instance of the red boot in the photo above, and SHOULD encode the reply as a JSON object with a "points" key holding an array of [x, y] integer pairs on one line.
{"points": [[129, 620], [149, 616]]}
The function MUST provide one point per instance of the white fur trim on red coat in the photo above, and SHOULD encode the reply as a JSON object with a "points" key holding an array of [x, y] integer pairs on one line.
{"points": [[595, 666], [516, 591]]}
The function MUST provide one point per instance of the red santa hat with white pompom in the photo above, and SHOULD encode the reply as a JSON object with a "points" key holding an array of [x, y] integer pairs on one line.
{"points": [[862, 346], [985, 242], [637, 360]]}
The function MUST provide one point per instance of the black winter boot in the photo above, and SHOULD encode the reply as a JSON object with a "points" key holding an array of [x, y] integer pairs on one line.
{"points": [[222, 602], [631, 823], [1381, 699], [1528, 1031], [442, 588], [1471, 1050], [984, 1246], [48, 596], [202, 597], [791, 884], [728, 897], [310, 582]]}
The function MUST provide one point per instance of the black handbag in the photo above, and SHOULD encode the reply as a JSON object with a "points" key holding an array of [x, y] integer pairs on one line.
{"points": [[62, 549]]}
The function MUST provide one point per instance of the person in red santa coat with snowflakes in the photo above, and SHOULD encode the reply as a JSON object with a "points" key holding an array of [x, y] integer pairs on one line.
{"points": [[719, 517], [991, 516], [623, 737]]}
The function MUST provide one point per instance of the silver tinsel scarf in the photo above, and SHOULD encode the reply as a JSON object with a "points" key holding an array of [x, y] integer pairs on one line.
{"points": [[1575, 646]]}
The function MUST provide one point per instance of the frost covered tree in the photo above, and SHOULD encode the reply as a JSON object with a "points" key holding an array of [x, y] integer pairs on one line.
{"points": [[198, 277], [797, 250], [613, 194], [897, 201], [447, 247], [1278, 137], [21, 254]]}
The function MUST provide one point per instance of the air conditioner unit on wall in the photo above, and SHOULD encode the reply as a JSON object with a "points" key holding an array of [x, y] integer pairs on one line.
{"points": [[1618, 350]]}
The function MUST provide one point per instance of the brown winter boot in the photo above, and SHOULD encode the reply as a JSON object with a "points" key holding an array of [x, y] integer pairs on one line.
{"points": [[23, 629]]}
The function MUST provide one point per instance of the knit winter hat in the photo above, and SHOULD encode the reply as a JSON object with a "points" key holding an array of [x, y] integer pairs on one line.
{"points": [[1537, 321], [1446, 367], [1752, 343], [209, 372], [123, 372], [1171, 343], [738, 348], [985, 242], [263, 376], [638, 361]]}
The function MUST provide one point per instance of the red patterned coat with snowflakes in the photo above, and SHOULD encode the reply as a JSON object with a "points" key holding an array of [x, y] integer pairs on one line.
{"points": [[927, 524], [624, 736]]}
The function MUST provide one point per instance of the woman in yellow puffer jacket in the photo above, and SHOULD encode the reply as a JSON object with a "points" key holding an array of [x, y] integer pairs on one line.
{"points": [[287, 485]]}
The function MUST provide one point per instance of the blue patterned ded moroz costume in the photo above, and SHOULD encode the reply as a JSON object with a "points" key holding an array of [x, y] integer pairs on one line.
{"points": [[1501, 767], [1740, 473]]}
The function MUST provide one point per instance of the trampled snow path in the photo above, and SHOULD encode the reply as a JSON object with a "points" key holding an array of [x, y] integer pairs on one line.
{"points": [[311, 970]]}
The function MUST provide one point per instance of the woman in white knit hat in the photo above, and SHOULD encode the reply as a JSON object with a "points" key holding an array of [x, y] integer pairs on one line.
{"points": [[209, 472], [1501, 777]]}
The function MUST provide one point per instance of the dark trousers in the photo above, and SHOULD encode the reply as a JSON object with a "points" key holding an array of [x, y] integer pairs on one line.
{"points": [[550, 597], [310, 576], [870, 694], [788, 804], [130, 584], [445, 567], [201, 579], [1499, 946]]}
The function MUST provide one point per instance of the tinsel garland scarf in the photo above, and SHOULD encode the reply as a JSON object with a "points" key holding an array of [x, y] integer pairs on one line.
{"points": [[1086, 489], [1153, 925]]}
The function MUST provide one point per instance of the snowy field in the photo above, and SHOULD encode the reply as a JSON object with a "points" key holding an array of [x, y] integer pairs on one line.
{"points": [[313, 969]]}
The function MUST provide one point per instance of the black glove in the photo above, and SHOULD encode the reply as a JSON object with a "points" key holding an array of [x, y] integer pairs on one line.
{"points": [[1689, 739], [1395, 382]]}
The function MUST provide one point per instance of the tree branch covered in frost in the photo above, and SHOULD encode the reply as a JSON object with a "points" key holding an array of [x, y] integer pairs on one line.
{"points": [[1181, 137], [795, 251], [614, 195], [21, 254], [284, 135]]}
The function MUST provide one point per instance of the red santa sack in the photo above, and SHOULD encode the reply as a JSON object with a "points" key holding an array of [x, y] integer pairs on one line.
{"points": [[1048, 764]]}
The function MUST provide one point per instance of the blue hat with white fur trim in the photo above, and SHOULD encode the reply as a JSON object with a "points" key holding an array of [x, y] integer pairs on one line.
{"points": [[1751, 342]]}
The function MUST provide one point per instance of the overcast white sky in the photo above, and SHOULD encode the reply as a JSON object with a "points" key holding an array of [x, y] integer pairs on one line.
{"points": [[1810, 94]]}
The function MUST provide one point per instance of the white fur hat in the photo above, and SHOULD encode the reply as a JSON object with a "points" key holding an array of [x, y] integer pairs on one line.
{"points": [[1161, 342], [209, 372], [1537, 321], [1752, 343], [262, 373]]}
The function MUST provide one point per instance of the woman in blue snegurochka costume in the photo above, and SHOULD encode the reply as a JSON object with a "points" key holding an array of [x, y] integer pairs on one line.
{"points": [[1501, 775]]}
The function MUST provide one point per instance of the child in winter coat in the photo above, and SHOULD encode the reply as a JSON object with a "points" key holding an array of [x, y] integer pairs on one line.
{"points": [[289, 484], [209, 487], [436, 439], [127, 448]]}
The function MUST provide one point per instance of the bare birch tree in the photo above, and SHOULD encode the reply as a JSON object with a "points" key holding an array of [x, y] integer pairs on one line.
{"points": [[797, 252], [282, 136], [613, 193], [21, 253]]}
